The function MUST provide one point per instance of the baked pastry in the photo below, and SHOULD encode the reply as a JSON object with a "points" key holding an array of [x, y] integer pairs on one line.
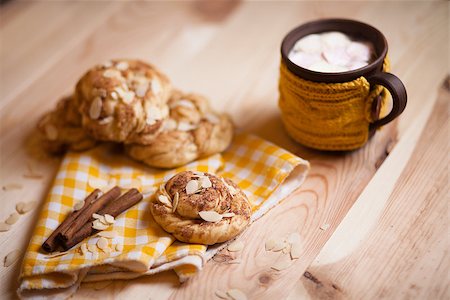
{"points": [[61, 129], [123, 101], [192, 131], [201, 208]]}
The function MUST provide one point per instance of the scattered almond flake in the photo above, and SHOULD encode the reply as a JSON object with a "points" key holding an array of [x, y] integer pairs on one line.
{"points": [[185, 126], [183, 102], [102, 243], [175, 201], [192, 186], [11, 258], [279, 245], [153, 114], [96, 216], [236, 294], [281, 265], [122, 66], [97, 224], [296, 250], [107, 64], [228, 215], [97, 183], [111, 183], [100, 285], [109, 219], [212, 118], [13, 218], [111, 73], [128, 97], [106, 120], [198, 173], [108, 234], [12, 186], [294, 238], [107, 250], [286, 249], [230, 188], [270, 244], [325, 226], [79, 205], [141, 89], [24, 207], [210, 216], [51, 132], [94, 255], [92, 248], [221, 294], [156, 86], [114, 95], [170, 124], [134, 183], [119, 247], [4, 227], [84, 249], [205, 182], [236, 246], [96, 108], [164, 200], [222, 258], [56, 254]]}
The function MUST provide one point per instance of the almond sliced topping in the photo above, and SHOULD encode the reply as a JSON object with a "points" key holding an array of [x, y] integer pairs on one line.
{"points": [[270, 244], [212, 118], [228, 215], [106, 120], [108, 234], [95, 255], [325, 227], [97, 183], [114, 95], [11, 258], [84, 249], [56, 254], [97, 216], [210, 216], [236, 294], [128, 97], [183, 102], [109, 219], [221, 294], [205, 182], [107, 64], [164, 200], [294, 238], [234, 262], [96, 108], [119, 247], [170, 124], [122, 66], [79, 205], [51, 132], [141, 89], [4, 227], [13, 218], [185, 126], [92, 248], [12, 186], [236, 246], [230, 188], [110, 73], [175, 201], [198, 173], [279, 245], [281, 265], [192, 186], [296, 250], [155, 86], [24, 207], [97, 224], [102, 243]]}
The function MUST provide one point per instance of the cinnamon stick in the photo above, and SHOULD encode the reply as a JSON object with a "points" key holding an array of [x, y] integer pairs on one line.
{"points": [[86, 214], [114, 208], [52, 243]]}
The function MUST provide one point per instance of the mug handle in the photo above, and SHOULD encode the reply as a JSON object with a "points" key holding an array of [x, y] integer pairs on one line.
{"points": [[398, 93]]}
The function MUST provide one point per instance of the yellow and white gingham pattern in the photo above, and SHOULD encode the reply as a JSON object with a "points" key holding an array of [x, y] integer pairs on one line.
{"points": [[257, 166]]}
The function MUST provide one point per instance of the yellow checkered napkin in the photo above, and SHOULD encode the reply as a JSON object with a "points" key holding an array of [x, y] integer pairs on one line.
{"points": [[264, 171]]}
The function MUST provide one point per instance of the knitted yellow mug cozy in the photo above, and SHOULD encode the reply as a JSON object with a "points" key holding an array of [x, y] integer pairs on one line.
{"points": [[329, 116]]}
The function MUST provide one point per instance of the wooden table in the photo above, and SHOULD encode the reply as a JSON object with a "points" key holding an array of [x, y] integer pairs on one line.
{"points": [[386, 204]]}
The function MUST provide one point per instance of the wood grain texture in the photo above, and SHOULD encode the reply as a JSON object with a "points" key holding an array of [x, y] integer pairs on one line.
{"points": [[229, 52], [398, 247]]}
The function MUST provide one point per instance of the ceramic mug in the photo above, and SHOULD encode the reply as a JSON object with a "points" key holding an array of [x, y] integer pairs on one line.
{"points": [[373, 72]]}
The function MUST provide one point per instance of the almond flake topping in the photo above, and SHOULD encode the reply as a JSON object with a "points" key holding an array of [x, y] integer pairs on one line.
{"points": [[97, 183], [92, 248], [156, 86], [128, 97], [106, 120], [141, 89], [51, 132], [96, 108], [164, 200], [210, 216], [108, 234], [175, 201], [110, 73], [97, 216], [79, 205], [109, 219], [102, 243], [324, 227], [221, 294], [228, 215], [122, 66], [114, 95], [24, 207], [184, 103], [84, 249], [205, 182], [296, 250], [185, 126], [236, 294], [170, 124], [4, 227], [11, 258], [212, 118], [192, 187], [107, 64], [119, 247], [281, 265], [13, 218], [97, 224], [235, 246], [294, 238]]}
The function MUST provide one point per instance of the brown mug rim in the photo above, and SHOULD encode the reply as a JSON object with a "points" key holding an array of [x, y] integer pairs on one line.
{"points": [[351, 27]]}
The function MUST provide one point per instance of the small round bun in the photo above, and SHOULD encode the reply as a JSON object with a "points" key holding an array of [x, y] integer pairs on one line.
{"points": [[61, 129], [123, 101], [201, 208], [192, 131]]}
